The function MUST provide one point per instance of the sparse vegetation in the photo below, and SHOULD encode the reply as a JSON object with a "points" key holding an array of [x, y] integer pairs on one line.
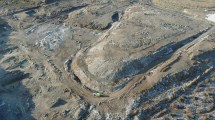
{"points": [[113, 59]]}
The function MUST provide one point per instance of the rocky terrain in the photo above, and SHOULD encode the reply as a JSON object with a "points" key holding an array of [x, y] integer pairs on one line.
{"points": [[150, 59]]}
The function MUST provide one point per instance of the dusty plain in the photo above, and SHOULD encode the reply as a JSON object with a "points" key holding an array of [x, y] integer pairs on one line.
{"points": [[151, 59]]}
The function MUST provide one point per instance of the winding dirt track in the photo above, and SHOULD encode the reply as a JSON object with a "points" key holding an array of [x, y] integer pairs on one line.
{"points": [[140, 83]]}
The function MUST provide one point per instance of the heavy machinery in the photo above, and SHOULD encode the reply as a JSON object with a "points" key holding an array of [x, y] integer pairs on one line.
{"points": [[98, 94]]}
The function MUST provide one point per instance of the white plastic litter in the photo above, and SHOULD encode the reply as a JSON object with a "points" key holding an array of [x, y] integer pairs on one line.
{"points": [[211, 17]]}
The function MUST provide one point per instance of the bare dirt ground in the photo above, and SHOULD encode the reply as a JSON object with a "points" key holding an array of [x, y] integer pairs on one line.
{"points": [[152, 59]]}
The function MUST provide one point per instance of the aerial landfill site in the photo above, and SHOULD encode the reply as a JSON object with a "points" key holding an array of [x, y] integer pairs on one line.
{"points": [[107, 59]]}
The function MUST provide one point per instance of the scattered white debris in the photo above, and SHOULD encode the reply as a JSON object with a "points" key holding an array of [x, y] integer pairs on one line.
{"points": [[50, 41], [186, 11], [211, 17], [108, 116], [97, 114], [133, 104], [53, 36]]}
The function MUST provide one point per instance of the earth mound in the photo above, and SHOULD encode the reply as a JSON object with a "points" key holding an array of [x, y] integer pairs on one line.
{"points": [[120, 52]]}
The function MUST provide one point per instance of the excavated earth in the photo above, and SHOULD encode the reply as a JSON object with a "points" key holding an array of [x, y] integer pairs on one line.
{"points": [[151, 59]]}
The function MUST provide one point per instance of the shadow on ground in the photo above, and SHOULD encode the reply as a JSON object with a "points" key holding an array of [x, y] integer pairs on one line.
{"points": [[15, 100]]}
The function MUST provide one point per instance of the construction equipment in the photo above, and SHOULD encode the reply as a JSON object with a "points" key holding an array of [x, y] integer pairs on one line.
{"points": [[97, 94]]}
